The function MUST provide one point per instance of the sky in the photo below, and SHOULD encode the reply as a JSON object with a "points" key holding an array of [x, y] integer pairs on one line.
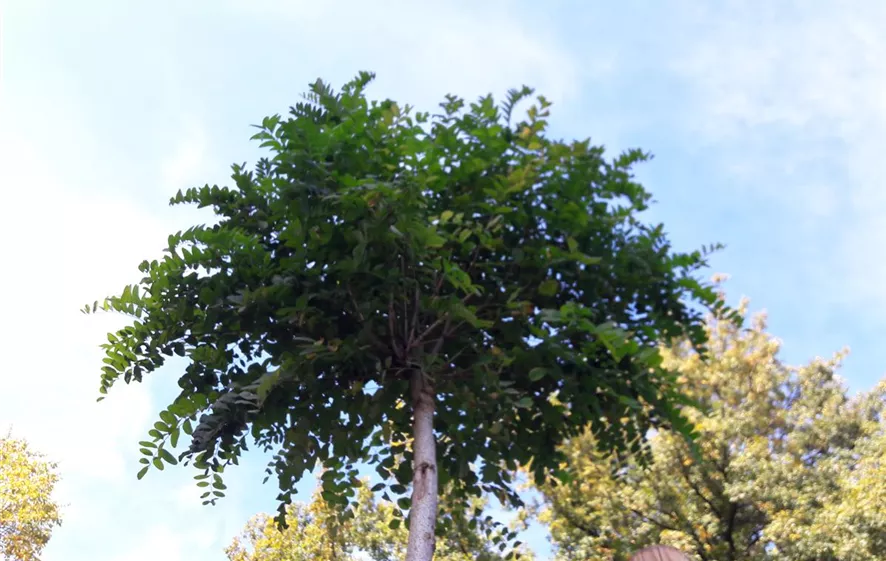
{"points": [[767, 121]]}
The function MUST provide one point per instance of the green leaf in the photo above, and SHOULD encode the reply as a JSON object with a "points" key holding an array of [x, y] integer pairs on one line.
{"points": [[549, 287], [167, 456], [168, 418], [434, 240], [372, 242], [141, 473], [586, 259], [572, 244]]}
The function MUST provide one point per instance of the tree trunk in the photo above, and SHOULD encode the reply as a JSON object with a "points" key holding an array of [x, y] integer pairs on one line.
{"points": [[423, 511]]}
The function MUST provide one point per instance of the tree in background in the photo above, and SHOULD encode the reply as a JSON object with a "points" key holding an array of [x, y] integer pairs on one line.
{"points": [[443, 275], [315, 532], [28, 514], [790, 467]]}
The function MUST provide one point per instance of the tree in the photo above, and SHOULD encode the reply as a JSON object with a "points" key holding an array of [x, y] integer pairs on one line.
{"points": [[313, 532], [316, 532], [28, 514], [443, 274], [790, 467]]}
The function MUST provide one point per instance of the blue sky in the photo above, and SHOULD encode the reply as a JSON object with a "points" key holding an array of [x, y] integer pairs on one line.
{"points": [[767, 124]]}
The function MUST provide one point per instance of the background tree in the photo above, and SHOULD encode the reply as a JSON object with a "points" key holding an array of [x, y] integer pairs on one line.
{"points": [[316, 533], [444, 274], [790, 467], [28, 513]]}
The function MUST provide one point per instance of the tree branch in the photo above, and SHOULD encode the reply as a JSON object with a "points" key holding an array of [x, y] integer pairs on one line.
{"points": [[356, 306], [730, 528], [445, 318], [421, 338], [656, 522], [580, 526], [695, 488], [439, 344], [416, 302], [393, 328]]}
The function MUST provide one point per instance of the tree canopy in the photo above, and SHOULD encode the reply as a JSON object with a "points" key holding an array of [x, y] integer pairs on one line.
{"points": [[791, 467], [28, 512], [315, 532], [387, 273]]}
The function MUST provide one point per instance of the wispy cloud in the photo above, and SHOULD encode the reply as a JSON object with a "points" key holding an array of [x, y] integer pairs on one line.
{"points": [[800, 86], [424, 51]]}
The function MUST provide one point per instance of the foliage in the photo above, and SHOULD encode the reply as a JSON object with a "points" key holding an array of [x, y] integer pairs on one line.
{"points": [[791, 468], [28, 514], [313, 533], [374, 533], [380, 254]]}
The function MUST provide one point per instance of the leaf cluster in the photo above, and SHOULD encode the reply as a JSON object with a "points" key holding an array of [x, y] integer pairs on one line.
{"points": [[509, 268], [789, 466]]}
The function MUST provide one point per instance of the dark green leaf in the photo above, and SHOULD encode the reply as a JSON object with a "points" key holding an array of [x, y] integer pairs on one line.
{"points": [[548, 287], [372, 243]]}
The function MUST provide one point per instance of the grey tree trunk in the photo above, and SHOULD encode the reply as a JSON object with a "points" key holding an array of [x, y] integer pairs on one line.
{"points": [[423, 511]]}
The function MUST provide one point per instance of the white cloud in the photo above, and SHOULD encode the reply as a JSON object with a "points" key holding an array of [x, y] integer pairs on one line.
{"points": [[61, 252], [797, 88], [424, 51], [156, 542], [817, 67], [67, 243]]}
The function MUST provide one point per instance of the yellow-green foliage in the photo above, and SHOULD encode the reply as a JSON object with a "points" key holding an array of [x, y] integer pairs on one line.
{"points": [[374, 532], [791, 467], [28, 514]]}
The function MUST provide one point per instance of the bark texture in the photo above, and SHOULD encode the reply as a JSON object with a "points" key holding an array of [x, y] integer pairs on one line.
{"points": [[423, 511]]}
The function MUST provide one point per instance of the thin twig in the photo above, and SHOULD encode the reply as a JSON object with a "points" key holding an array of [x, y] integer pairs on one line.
{"points": [[439, 344], [474, 257], [415, 307], [392, 327], [651, 520], [405, 305], [421, 338], [356, 306], [439, 284]]}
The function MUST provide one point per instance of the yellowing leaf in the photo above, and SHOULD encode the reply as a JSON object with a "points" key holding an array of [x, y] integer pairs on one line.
{"points": [[28, 512]]}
